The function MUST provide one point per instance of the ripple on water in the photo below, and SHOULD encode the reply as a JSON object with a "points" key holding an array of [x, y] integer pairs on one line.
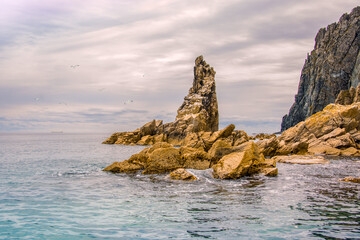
{"points": [[52, 187]]}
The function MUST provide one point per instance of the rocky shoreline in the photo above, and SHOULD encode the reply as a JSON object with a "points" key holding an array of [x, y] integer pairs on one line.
{"points": [[193, 141]]}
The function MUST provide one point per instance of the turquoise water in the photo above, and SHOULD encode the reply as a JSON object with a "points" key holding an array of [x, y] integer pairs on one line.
{"points": [[52, 187]]}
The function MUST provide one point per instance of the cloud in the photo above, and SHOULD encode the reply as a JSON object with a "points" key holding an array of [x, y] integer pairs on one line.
{"points": [[144, 50]]}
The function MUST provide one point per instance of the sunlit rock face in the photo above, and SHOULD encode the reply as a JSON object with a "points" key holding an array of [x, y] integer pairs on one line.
{"points": [[332, 66], [199, 111]]}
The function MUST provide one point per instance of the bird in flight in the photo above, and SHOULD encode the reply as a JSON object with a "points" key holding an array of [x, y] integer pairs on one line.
{"points": [[75, 66], [128, 101]]}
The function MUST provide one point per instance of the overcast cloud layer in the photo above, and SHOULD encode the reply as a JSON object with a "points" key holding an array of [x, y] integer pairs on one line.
{"points": [[136, 60]]}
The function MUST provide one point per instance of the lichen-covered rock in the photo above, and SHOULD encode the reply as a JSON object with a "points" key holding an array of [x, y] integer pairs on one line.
{"points": [[304, 160], [332, 66], [123, 167], [195, 158], [162, 157], [182, 174], [238, 164], [163, 160], [262, 136], [268, 147], [333, 131], [347, 97]]}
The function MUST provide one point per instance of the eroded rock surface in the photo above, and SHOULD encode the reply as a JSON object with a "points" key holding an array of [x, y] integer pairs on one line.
{"points": [[197, 115], [332, 66], [182, 174], [333, 131], [247, 162]]}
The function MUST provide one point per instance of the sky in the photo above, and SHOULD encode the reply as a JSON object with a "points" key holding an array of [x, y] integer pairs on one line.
{"points": [[113, 65]]}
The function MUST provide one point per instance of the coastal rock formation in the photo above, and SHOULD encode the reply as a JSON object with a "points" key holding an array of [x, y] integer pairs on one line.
{"points": [[197, 115], [199, 111], [332, 66], [162, 158], [245, 159], [347, 97], [247, 162], [182, 174], [333, 131]]}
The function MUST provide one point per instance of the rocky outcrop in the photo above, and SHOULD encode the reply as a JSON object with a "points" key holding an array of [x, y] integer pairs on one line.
{"points": [[182, 174], [332, 66], [162, 158], [199, 111], [347, 97], [247, 162], [196, 117], [333, 131]]}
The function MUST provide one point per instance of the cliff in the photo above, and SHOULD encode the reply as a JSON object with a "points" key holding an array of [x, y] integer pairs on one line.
{"points": [[332, 66]]}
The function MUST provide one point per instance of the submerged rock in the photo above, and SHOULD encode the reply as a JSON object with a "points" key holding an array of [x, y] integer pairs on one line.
{"points": [[332, 66], [351, 179], [182, 174]]}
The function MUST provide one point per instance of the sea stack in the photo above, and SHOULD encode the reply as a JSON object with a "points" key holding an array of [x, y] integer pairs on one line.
{"points": [[198, 113], [332, 66]]}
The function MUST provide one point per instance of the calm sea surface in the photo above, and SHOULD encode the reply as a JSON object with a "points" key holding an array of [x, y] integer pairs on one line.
{"points": [[52, 187]]}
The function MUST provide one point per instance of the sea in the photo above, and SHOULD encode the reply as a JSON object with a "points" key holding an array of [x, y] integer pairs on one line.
{"points": [[52, 187]]}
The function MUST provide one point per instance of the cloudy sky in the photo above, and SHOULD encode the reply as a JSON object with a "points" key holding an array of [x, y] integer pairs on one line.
{"points": [[136, 60]]}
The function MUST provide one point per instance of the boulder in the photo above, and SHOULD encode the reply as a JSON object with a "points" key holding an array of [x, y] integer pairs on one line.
{"points": [[239, 164], [268, 147], [270, 172], [148, 128], [182, 174], [219, 149], [163, 160], [195, 158], [351, 151], [112, 139], [123, 167]]}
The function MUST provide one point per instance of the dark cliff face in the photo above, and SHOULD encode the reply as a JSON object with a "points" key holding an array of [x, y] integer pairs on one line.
{"points": [[332, 66]]}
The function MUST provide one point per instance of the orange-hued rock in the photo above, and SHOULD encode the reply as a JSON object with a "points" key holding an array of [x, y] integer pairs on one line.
{"points": [[182, 174], [351, 179], [247, 162], [302, 159], [333, 131]]}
